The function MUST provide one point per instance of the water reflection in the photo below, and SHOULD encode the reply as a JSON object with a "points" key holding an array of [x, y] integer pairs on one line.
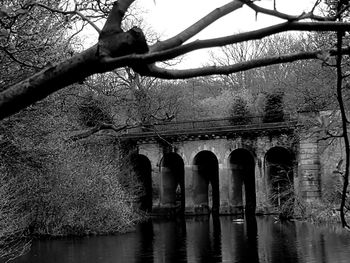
{"points": [[282, 242], [252, 239], [146, 242], [202, 239], [170, 243]]}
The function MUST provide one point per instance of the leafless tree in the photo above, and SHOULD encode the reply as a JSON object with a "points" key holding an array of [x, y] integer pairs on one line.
{"points": [[117, 48]]}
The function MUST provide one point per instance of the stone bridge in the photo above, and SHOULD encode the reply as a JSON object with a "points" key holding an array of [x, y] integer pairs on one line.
{"points": [[223, 166]]}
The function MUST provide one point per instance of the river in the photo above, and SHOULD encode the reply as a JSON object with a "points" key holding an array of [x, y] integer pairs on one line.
{"points": [[202, 239]]}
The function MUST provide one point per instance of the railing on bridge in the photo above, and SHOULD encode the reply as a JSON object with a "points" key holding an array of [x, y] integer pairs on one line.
{"points": [[214, 123]]}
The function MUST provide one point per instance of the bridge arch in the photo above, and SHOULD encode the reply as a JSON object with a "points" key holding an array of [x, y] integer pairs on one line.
{"points": [[205, 171], [241, 167], [238, 145], [206, 148], [172, 186], [141, 168], [279, 174]]}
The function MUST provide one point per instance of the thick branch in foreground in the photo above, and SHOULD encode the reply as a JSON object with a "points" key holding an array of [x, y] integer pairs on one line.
{"points": [[197, 27], [120, 49], [47, 81], [73, 70], [344, 129], [153, 57], [155, 71]]}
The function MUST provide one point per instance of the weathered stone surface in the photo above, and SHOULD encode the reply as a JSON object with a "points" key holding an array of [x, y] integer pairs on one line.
{"points": [[305, 167]]}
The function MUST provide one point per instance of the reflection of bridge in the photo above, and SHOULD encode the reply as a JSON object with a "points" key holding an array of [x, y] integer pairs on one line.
{"points": [[223, 165]]}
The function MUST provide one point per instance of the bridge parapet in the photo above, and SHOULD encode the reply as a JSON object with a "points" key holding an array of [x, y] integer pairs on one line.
{"points": [[211, 126]]}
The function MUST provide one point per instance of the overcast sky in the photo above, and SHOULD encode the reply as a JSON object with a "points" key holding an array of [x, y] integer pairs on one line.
{"points": [[169, 17]]}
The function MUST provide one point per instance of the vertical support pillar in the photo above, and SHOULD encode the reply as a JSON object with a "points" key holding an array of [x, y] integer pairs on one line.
{"points": [[224, 183], [250, 192], [236, 200], [168, 187], [309, 167], [215, 193], [200, 187]]}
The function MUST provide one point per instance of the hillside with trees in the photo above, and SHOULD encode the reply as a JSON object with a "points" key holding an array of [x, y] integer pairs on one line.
{"points": [[60, 105]]}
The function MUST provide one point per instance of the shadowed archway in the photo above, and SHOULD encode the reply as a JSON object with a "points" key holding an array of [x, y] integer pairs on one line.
{"points": [[172, 190], [279, 171], [205, 170], [142, 169], [242, 174]]}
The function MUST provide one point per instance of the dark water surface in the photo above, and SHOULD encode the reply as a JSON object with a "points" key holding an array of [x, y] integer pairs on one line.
{"points": [[202, 239]]}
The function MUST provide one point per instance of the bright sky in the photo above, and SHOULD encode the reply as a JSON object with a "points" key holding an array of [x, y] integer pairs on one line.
{"points": [[169, 17]]}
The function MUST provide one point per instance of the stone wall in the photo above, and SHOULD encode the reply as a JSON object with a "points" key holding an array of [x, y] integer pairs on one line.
{"points": [[309, 167], [222, 147]]}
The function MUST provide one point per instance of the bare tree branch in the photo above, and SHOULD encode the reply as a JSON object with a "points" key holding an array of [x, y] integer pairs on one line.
{"points": [[317, 2], [284, 16], [152, 57], [114, 19], [100, 127], [73, 12], [117, 49], [12, 56], [155, 71], [344, 129], [194, 29]]}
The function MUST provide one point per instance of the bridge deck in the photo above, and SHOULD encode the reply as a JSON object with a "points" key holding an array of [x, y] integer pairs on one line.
{"points": [[211, 127]]}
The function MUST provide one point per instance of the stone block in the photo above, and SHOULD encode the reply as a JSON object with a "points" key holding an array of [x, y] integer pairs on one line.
{"points": [[309, 161], [308, 145], [313, 150], [310, 167], [311, 194]]}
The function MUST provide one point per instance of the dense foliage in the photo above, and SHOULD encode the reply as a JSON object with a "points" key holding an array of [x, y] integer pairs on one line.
{"points": [[51, 185], [240, 113], [274, 108]]}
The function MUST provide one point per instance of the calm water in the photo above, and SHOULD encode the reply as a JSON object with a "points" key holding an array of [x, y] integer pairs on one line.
{"points": [[202, 239]]}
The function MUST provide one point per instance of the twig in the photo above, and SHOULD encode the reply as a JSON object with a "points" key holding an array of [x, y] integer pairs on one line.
{"points": [[74, 12], [285, 16]]}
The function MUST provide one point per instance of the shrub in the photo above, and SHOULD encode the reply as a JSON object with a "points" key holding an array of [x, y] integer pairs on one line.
{"points": [[239, 113], [87, 196], [73, 189], [92, 111], [274, 108]]}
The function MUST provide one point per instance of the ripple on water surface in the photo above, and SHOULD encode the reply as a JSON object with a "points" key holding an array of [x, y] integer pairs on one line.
{"points": [[202, 239]]}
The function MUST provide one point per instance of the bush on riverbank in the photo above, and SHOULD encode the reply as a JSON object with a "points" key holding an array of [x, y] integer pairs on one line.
{"points": [[51, 186], [85, 196], [325, 210]]}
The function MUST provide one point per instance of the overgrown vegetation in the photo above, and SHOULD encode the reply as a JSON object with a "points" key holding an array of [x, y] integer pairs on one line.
{"points": [[240, 114], [274, 107], [290, 204], [53, 186], [52, 183]]}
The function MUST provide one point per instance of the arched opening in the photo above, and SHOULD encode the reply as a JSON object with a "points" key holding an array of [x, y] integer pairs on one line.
{"points": [[279, 171], [142, 170], [206, 172], [242, 176], [172, 170]]}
